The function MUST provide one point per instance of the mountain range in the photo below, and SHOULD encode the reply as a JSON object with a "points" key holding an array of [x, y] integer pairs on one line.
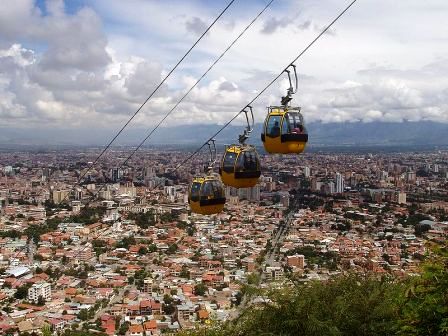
{"points": [[354, 134]]}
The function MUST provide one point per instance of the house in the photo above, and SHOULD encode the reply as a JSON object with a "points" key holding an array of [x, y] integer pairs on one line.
{"points": [[185, 311], [70, 292], [150, 326], [135, 330], [108, 324], [133, 310], [203, 315], [57, 324], [27, 326], [145, 307], [156, 308]]}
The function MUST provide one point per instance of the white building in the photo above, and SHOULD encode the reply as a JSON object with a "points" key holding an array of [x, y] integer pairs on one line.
{"points": [[41, 289], [307, 172], [339, 183], [169, 190], [401, 197], [274, 273]]}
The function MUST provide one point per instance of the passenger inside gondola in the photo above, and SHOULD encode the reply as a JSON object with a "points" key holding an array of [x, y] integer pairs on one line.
{"points": [[195, 192], [250, 163], [273, 127], [207, 190], [229, 162], [295, 123], [297, 129], [218, 191]]}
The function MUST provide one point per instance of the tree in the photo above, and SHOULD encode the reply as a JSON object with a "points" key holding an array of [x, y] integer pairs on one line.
{"points": [[167, 299], [169, 309], [22, 292], [40, 301], [184, 273], [152, 248], [253, 279], [123, 328], [348, 305], [83, 315], [142, 250], [46, 330], [425, 310], [200, 289], [172, 249]]}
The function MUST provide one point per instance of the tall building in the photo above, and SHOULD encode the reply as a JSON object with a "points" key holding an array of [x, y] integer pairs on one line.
{"points": [[169, 190], [251, 194], [307, 172], [59, 196], [116, 174], [401, 197], [147, 285], [339, 183], [297, 260], [411, 177], [78, 194], [39, 289], [149, 172]]}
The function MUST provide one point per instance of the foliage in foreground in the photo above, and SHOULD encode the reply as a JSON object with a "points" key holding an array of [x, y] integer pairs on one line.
{"points": [[351, 305]]}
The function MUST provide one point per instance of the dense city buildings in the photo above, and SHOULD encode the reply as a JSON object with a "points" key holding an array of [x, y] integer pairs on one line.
{"points": [[122, 253]]}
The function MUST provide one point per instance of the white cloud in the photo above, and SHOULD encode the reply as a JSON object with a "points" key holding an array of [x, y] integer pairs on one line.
{"points": [[97, 65]]}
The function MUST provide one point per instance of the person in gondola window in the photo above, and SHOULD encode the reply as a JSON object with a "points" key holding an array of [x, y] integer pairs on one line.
{"points": [[275, 130], [298, 129]]}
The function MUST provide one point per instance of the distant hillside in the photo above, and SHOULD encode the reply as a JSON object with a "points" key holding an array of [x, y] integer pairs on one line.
{"points": [[321, 134]]}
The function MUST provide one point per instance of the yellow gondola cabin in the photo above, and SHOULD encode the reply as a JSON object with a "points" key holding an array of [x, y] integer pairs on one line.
{"points": [[206, 195], [240, 166], [284, 131]]}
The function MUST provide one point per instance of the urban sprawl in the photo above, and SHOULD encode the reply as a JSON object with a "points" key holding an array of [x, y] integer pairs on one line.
{"points": [[121, 253]]}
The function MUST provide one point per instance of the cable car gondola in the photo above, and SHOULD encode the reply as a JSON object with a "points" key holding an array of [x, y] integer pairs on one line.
{"points": [[206, 195], [240, 164], [284, 130]]}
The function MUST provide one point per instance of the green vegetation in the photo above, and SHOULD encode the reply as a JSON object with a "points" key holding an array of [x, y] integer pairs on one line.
{"points": [[22, 292], [200, 289], [349, 305], [172, 249], [139, 277], [11, 234], [88, 215], [69, 332], [167, 217], [325, 259], [126, 242], [35, 231], [99, 246], [425, 310], [143, 220]]}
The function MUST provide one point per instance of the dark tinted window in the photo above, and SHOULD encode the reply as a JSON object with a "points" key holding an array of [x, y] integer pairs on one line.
{"points": [[194, 193], [273, 126], [247, 161], [295, 123], [229, 162], [207, 190], [218, 190]]}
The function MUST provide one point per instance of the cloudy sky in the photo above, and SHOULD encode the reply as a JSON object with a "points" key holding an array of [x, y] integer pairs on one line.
{"points": [[78, 63]]}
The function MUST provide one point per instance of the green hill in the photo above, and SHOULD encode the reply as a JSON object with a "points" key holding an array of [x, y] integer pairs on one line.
{"points": [[350, 305]]}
